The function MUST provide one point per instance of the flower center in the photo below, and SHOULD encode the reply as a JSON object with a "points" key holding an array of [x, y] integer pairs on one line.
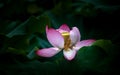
{"points": [[67, 40]]}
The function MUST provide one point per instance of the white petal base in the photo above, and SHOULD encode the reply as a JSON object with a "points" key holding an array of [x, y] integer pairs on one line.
{"points": [[69, 54]]}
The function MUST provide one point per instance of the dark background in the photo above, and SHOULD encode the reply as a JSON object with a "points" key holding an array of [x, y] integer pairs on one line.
{"points": [[22, 32]]}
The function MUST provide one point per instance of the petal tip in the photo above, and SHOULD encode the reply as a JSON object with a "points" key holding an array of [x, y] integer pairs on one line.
{"points": [[65, 27], [38, 52], [47, 52], [91, 40], [83, 43], [70, 59], [43, 53]]}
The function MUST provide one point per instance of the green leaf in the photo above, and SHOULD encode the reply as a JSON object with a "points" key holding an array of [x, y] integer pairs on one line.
{"points": [[37, 24], [95, 2], [31, 54], [90, 57], [31, 68], [58, 9], [102, 2], [106, 45], [8, 26], [19, 42], [30, 26], [16, 51], [18, 30], [3, 43], [1, 5]]}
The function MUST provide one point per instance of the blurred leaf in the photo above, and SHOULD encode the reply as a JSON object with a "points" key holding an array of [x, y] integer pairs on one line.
{"points": [[16, 51], [7, 26], [11, 26], [87, 60], [32, 54], [104, 5], [106, 45], [18, 30], [37, 24], [3, 43], [101, 2], [33, 8], [87, 10], [1, 5], [30, 26], [31, 68], [19, 42], [43, 43], [96, 2], [11, 55], [90, 57], [14, 48], [58, 10]]}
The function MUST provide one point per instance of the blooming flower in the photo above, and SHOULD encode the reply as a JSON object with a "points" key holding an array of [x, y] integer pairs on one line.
{"points": [[64, 39]]}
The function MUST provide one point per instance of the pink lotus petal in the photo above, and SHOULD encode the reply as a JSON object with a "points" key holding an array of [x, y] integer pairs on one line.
{"points": [[61, 31], [69, 54], [64, 27], [55, 38], [48, 52], [83, 43], [75, 35]]}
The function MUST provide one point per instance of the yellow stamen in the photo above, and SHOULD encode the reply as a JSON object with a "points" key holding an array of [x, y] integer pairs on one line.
{"points": [[67, 40]]}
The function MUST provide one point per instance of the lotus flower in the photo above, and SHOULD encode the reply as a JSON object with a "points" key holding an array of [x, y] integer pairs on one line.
{"points": [[64, 39]]}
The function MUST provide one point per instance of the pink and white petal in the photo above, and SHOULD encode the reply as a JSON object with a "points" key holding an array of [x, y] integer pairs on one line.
{"points": [[55, 38], [83, 43], [75, 35], [61, 31], [47, 52], [69, 54], [64, 27]]}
